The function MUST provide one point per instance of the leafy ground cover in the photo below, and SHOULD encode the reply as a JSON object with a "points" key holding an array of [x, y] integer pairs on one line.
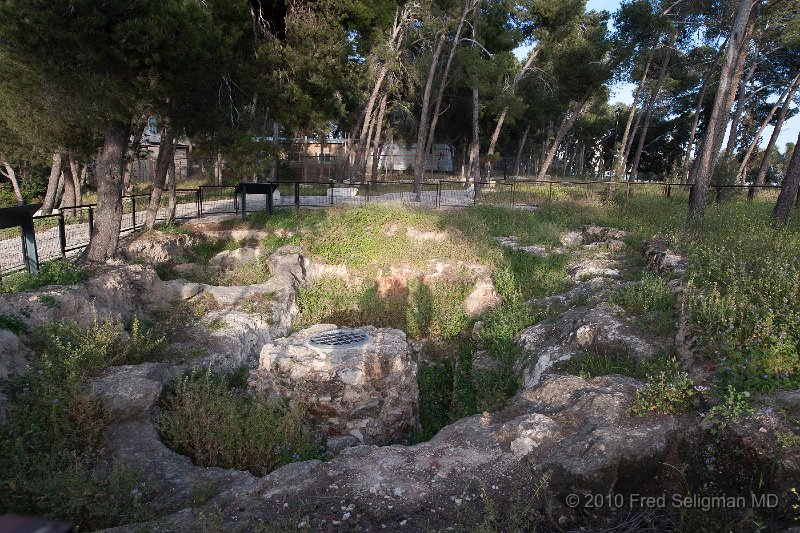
{"points": [[50, 447], [210, 418], [742, 278], [742, 301], [59, 272]]}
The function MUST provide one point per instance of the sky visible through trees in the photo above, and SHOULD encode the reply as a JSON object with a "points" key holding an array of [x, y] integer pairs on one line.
{"points": [[624, 92]]}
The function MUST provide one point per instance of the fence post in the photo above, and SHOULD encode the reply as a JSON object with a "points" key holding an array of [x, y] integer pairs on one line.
{"points": [[297, 195], [133, 211], [29, 253], [550, 194], [513, 187], [91, 222], [669, 190], [718, 195], [62, 234], [330, 190], [366, 200], [627, 190], [691, 193], [751, 192], [198, 198], [475, 189]]}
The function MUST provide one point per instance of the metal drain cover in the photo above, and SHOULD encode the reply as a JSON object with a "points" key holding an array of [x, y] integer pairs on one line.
{"points": [[339, 338]]}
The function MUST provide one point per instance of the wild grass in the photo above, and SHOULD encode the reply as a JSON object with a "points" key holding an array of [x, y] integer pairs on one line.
{"points": [[421, 310], [211, 419], [651, 302], [58, 272], [50, 447]]}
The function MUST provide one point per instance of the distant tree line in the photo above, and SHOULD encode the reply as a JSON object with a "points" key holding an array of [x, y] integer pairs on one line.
{"points": [[82, 78]]}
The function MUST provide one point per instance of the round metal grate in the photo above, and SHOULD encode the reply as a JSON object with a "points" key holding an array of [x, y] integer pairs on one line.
{"points": [[338, 339]]}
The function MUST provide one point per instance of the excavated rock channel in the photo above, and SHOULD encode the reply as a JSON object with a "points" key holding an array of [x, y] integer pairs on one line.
{"points": [[561, 433]]}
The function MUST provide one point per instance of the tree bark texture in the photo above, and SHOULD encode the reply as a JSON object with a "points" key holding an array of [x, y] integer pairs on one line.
{"points": [[52, 185], [68, 200], [624, 147], [773, 139], [789, 189], [166, 154], [566, 124], [424, 118], [521, 148], [108, 217], [12, 177], [378, 143], [730, 73]]}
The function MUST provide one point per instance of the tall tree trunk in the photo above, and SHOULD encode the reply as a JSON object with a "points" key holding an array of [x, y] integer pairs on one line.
{"points": [[218, 168], [166, 154], [789, 189], [733, 136], [378, 143], [363, 138], [60, 188], [68, 200], [764, 123], [651, 104], [621, 166], [521, 148], [12, 177], [580, 158], [273, 164], [52, 185], [501, 118], [73, 165], [469, 5], [474, 171], [496, 133], [693, 132], [402, 17], [108, 219], [731, 71], [566, 124], [424, 117], [776, 132], [172, 185], [361, 172]]}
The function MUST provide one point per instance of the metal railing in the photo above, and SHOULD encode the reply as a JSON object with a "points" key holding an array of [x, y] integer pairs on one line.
{"points": [[68, 232]]}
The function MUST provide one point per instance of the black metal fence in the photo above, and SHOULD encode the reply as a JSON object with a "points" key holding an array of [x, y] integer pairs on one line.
{"points": [[68, 232]]}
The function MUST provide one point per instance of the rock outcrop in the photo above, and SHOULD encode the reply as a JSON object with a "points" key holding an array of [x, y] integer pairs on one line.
{"points": [[367, 389], [157, 247], [116, 294], [573, 434], [600, 329]]}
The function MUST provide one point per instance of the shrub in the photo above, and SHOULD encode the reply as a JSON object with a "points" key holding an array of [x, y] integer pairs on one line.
{"points": [[664, 393], [733, 406], [215, 423], [651, 301], [59, 272], [668, 391], [49, 449], [13, 323]]}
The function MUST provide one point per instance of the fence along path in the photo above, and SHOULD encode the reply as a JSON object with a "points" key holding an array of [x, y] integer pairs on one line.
{"points": [[67, 233]]}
